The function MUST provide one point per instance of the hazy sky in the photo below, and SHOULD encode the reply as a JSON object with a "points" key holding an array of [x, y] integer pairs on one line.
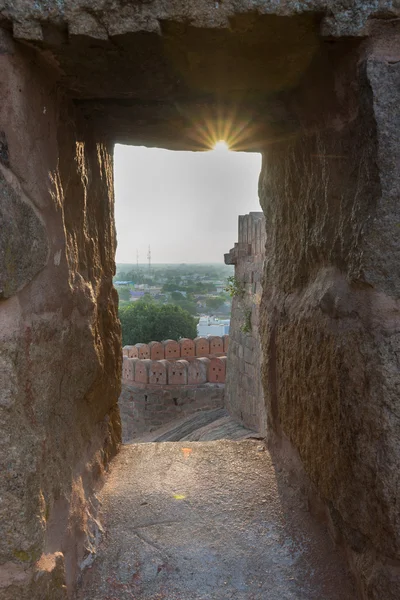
{"points": [[184, 204]]}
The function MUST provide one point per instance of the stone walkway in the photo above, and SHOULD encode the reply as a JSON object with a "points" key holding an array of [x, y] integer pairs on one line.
{"points": [[209, 521], [203, 426]]}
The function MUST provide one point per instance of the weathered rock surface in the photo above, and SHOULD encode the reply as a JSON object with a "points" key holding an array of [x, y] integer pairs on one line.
{"points": [[59, 339], [169, 75], [23, 243], [203, 426], [331, 312], [107, 18]]}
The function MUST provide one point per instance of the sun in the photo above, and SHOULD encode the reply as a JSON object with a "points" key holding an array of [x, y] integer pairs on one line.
{"points": [[221, 146]]}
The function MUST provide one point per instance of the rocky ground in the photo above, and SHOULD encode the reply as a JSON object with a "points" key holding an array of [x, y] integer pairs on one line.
{"points": [[209, 521], [203, 426]]}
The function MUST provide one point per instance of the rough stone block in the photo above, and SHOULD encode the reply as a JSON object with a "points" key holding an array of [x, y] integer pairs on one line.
{"points": [[198, 370], [225, 339], [250, 370], [24, 245], [248, 355], [250, 342]]}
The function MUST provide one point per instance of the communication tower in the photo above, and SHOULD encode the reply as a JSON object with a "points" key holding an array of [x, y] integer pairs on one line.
{"points": [[149, 259]]}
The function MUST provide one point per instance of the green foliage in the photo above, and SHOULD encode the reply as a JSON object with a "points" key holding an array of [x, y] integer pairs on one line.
{"points": [[191, 287], [145, 321], [201, 287], [246, 327], [187, 303], [234, 287], [172, 286], [214, 302], [124, 293]]}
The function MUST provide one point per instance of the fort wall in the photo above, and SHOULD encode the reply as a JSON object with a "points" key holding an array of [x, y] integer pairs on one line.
{"points": [[177, 372], [145, 408], [183, 348], [244, 393], [187, 376]]}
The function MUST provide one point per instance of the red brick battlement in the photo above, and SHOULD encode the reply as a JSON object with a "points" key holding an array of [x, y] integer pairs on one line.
{"points": [[172, 363]]}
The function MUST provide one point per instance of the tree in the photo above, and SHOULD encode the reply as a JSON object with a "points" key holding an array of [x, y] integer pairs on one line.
{"points": [[171, 286], [124, 293], [146, 321], [187, 303], [214, 302]]}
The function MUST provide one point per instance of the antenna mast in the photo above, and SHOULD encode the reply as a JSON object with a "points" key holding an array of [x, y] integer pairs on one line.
{"points": [[149, 259], [137, 259]]}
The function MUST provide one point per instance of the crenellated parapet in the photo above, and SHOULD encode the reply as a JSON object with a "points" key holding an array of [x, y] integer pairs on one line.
{"points": [[180, 372], [176, 363], [185, 348]]}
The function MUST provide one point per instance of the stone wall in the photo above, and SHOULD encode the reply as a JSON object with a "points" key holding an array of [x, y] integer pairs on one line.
{"points": [[330, 309], [244, 392], [174, 372], [164, 381], [60, 337], [145, 408], [183, 362]]}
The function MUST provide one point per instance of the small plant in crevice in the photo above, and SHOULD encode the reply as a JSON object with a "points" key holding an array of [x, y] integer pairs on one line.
{"points": [[235, 287], [246, 327]]}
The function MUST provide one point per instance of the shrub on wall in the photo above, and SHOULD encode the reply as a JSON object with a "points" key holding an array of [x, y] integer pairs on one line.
{"points": [[145, 321], [235, 287], [246, 327]]}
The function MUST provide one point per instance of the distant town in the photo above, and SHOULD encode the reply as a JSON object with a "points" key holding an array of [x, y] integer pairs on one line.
{"points": [[199, 289]]}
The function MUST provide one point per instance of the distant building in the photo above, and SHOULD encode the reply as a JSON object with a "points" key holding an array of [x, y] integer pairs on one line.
{"points": [[212, 326], [154, 290], [135, 295]]}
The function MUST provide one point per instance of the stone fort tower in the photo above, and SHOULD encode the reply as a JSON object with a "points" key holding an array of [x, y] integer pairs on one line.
{"points": [[244, 394]]}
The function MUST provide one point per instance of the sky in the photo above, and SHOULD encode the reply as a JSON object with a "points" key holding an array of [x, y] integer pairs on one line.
{"points": [[185, 205]]}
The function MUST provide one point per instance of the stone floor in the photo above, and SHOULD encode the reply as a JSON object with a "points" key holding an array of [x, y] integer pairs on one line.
{"points": [[209, 521]]}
